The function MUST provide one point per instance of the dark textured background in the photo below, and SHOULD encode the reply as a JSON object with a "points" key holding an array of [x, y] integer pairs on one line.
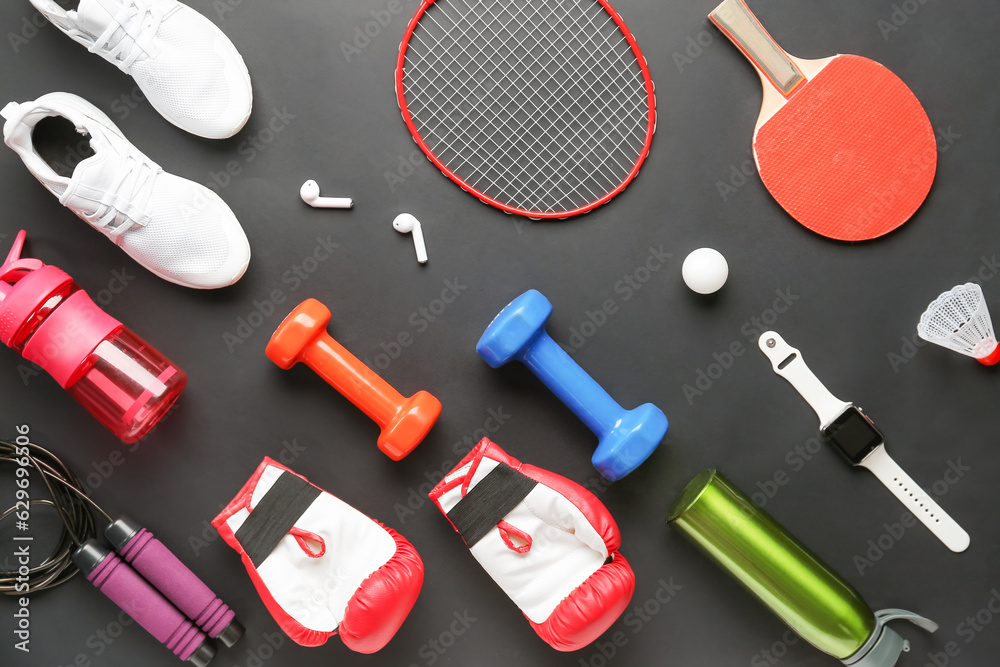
{"points": [[853, 308]]}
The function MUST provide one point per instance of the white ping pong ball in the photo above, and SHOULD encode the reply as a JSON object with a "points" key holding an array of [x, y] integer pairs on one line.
{"points": [[705, 270]]}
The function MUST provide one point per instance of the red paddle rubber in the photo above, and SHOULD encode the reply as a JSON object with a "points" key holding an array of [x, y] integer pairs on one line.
{"points": [[852, 154]]}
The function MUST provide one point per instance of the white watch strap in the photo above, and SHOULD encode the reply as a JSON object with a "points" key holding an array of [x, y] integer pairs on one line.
{"points": [[916, 499], [827, 406]]}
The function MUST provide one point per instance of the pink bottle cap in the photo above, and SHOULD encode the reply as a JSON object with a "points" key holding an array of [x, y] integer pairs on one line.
{"points": [[25, 285], [64, 339]]}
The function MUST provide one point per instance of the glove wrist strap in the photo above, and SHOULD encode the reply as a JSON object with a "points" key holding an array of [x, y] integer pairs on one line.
{"points": [[276, 513], [488, 502]]}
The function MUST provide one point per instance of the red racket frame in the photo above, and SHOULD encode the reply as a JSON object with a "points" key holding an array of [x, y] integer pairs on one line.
{"points": [[537, 215]]}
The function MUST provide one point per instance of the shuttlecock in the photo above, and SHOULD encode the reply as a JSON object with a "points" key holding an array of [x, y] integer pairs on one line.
{"points": [[960, 321]]}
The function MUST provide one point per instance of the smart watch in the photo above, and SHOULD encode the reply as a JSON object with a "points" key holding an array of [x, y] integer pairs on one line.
{"points": [[854, 435]]}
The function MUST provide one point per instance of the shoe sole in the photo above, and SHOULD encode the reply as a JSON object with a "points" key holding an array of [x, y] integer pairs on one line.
{"points": [[169, 279]]}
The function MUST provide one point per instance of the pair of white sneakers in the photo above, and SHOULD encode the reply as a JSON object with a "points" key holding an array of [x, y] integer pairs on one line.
{"points": [[193, 75]]}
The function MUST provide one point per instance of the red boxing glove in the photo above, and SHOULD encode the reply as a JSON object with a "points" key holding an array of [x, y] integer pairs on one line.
{"points": [[548, 542], [321, 567]]}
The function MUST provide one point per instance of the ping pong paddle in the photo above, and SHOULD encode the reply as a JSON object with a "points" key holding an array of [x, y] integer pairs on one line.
{"points": [[841, 143]]}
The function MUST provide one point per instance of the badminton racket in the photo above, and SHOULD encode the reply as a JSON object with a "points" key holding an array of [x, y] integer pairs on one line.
{"points": [[542, 108]]}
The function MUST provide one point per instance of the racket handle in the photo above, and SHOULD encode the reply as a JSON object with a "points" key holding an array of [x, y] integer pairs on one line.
{"points": [[137, 598], [738, 23], [174, 580]]}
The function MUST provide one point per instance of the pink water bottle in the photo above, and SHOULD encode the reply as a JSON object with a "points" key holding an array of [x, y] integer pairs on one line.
{"points": [[120, 378]]}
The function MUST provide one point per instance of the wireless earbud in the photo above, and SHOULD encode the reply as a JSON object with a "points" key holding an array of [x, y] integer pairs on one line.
{"points": [[310, 195], [406, 223]]}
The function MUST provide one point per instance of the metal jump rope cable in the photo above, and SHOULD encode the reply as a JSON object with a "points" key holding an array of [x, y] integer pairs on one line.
{"points": [[75, 509]]}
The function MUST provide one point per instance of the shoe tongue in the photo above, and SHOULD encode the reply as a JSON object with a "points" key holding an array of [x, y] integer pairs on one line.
{"points": [[94, 17]]}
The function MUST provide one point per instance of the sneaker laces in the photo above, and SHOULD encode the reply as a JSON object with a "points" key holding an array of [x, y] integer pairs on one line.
{"points": [[131, 33], [128, 200]]}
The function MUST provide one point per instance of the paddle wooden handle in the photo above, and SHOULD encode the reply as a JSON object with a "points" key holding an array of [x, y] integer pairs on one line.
{"points": [[738, 23]]}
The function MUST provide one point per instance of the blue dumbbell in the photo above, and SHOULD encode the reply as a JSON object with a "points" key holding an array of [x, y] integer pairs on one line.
{"points": [[627, 437]]}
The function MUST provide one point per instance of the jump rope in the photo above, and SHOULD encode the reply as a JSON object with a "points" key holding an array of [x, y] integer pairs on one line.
{"points": [[138, 574]]}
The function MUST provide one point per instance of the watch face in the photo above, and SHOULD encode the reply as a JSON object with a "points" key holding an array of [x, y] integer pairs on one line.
{"points": [[854, 435]]}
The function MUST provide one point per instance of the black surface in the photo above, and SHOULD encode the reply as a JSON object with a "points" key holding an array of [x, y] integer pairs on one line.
{"points": [[851, 309]]}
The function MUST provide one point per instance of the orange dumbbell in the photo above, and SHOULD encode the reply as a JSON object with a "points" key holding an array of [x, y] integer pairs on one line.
{"points": [[302, 337]]}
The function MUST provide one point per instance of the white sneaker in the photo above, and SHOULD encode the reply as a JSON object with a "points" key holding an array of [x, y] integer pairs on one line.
{"points": [[180, 230], [186, 67]]}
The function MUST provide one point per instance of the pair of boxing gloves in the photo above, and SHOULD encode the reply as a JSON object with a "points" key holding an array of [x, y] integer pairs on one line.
{"points": [[323, 568]]}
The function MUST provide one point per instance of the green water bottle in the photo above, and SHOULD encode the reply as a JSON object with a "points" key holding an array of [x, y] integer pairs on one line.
{"points": [[781, 572]]}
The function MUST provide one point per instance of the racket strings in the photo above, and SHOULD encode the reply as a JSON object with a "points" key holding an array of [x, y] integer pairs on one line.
{"points": [[539, 105], [539, 154], [608, 19], [574, 73], [520, 107]]}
